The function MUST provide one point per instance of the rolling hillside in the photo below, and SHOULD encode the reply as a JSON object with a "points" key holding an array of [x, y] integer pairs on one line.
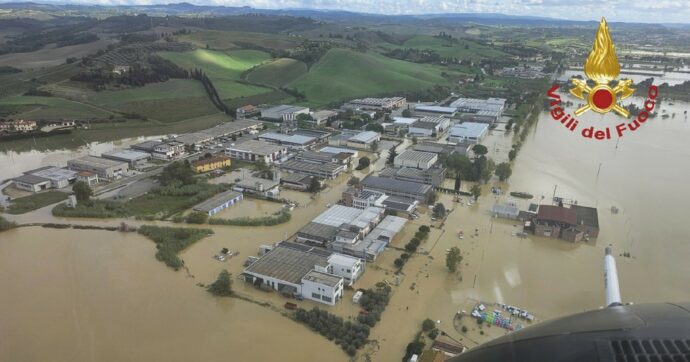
{"points": [[278, 73], [344, 73]]}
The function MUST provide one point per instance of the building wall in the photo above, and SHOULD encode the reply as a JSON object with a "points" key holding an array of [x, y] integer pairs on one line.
{"points": [[225, 205], [32, 187], [403, 162], [322, 293], [112, 172], [275, 283], [421, 131], [350, 273]]}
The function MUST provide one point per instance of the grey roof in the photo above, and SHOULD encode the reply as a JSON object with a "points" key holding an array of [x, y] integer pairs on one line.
{"points": [[365, 137], [284, 109], [295, 178], [435, 109], [408, 187], [468, 129], [194, 138], [434, 147], [398, 203], [322, 278], [505, 209], [320, 156], [302, 166], [322, 231], [146, 145], [129, 155], [475, 104], [31, 179], [229, 128], [250, 182], [216, 201], [337, 215], [424, 125], [294, 139], [256, 147], [287, 263], [53, 173], [93, 161], [417, 156]]}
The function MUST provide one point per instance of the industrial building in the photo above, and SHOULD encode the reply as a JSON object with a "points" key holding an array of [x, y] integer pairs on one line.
{"points": [[355, 139], [432, 176], [384, 104], [294, 141], [219, 202], [133, 158], [574, 224], [338, 221], [296, 181], [324, 157], [104, 168], [336, 150], [429, 126], [89, 178], [374, 243], [415, 159], [161, 150], [31, 183], [485, 110], [363, 198], [393, 187], [59, 177], [299, 270], [320, 118], [327, 170], [435, 110], [256, 151], [258, 186], [488, 117], [211, 164], [470, 132], [283, 113]]}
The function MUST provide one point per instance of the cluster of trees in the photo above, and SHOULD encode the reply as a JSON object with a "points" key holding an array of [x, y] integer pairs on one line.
{"points": [[374, 301], [363, 163], [82, 191], [453, 258], [61, 36], [478, 169], [176, 174], [309, 51], [222, 287], [280, 217], [153, 70], [439, 211], [6, 224], [421, 235], [211, 91], [350, 336], [392, 154], [197, 217], [169, 241]]}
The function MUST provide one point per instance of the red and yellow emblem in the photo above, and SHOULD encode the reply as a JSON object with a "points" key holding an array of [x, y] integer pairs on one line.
{"points": [[602, 68]]}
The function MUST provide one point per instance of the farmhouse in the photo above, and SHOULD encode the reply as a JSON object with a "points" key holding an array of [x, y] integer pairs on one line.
{"points": [[283, 113], [219, 202], [468, 132], [256, 151], [104, 168]]}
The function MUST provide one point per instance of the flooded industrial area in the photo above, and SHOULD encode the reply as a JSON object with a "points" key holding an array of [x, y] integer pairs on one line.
{"points": [[100, 295]]}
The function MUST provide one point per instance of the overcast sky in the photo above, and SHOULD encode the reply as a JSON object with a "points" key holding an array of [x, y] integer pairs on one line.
{"points": [[654, 11]]}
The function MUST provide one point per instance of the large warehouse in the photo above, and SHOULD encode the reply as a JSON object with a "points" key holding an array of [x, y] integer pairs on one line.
{"points": [[468, 132], [104, 168], [415, 159]]}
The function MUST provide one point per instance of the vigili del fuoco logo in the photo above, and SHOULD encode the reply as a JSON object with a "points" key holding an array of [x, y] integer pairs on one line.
{"points": [[602, 93]]}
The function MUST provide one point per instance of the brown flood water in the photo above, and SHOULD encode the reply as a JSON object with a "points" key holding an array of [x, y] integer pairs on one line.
{"points": [[87, 295]]}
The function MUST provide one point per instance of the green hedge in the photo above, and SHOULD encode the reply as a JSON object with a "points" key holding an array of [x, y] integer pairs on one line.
{"points": [[170, 241], [280, 217], [6, 224], [93, 209]]}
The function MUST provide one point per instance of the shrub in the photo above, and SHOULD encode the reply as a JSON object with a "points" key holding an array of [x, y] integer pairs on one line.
{"points": [[6, 224], [425, 229], [279, 218], [399, 262], [428, 325], [222, 287], [197, 217], [169, 241]]}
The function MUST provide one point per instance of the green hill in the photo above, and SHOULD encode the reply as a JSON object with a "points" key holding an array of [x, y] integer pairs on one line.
{"points": [[278, 73], [462, 49], [224, 69], [343, 73]]}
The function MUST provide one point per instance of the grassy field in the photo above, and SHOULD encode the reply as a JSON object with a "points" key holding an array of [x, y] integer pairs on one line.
{"points": [[33, 202], [343, 73], [18, 83], [464, 49], [52, 107], [226, 40], [222, 68], [278, 73]]}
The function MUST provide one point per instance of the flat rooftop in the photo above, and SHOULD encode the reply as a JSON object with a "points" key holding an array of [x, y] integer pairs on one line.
{"points": [[468, 129], [435, 109], [336, 150], [387, 184], [31, 179], [260, 148], [250, 182], [53, 173], [337, 215], [365, 137], [129, 155], [294, 139], [322, 278], [476, 104], [284, 109], [297, 166], [216, 201], [97, 162], [417, 156], [287, 263]]}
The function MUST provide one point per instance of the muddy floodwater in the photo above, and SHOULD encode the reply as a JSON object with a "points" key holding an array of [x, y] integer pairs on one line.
{"points": [[72, 295]]}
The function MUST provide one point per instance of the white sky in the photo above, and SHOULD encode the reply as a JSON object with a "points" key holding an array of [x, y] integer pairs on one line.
{"points": [[648, 11]]}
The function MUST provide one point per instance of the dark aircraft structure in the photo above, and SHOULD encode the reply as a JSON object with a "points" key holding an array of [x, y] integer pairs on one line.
{"points": [[657, 332]]}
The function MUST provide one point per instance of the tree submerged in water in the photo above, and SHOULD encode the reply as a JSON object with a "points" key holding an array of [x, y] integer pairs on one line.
{"points": [[222, 287]]}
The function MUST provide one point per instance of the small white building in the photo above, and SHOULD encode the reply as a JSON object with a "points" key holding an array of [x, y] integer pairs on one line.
{"points": [[256, 151], [31, 183], [348, 267], [322, 287]]}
